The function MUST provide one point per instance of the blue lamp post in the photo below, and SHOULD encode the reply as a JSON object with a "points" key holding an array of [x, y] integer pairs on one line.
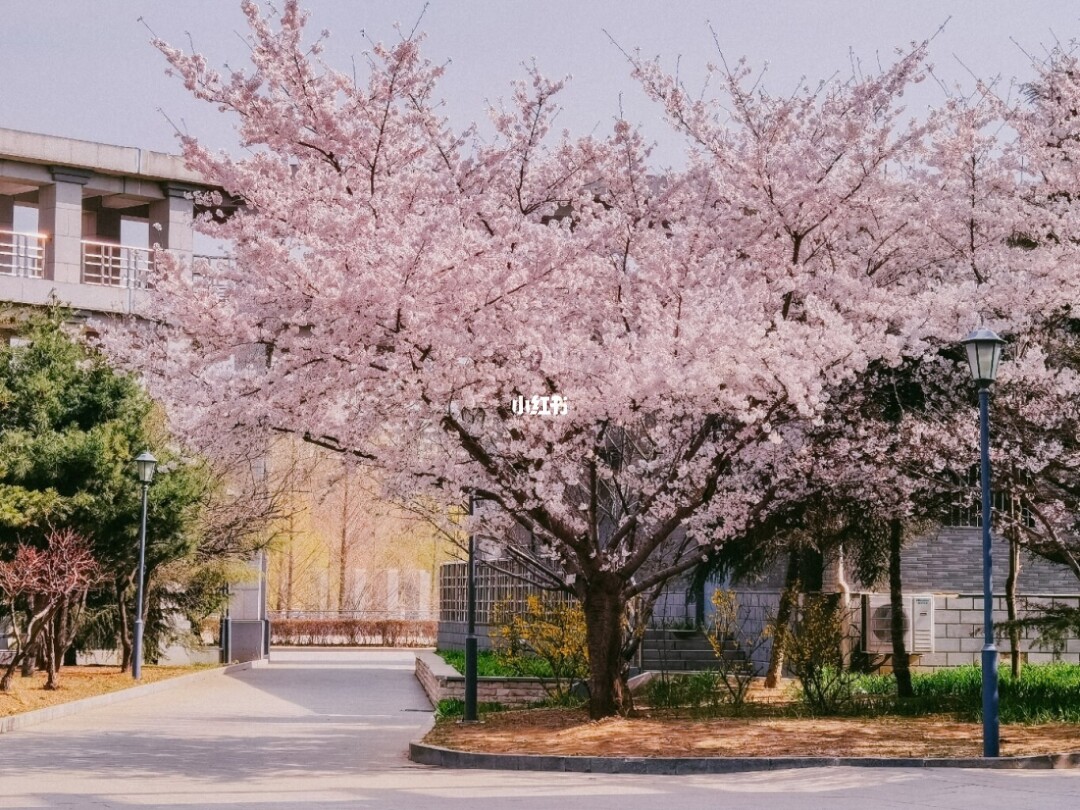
{"points": [[146, 464], [984, 353]]}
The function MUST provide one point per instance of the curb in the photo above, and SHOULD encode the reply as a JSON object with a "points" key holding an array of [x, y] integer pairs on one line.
{"points": [[32, 718], [670, 766]]}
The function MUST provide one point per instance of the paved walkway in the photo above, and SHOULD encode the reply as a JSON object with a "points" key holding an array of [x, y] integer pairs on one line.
{"points": [[330, 730]]}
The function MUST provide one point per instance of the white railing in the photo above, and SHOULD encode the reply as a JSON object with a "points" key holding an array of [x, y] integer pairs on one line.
{"points": [[22, 254], [112, 265]]}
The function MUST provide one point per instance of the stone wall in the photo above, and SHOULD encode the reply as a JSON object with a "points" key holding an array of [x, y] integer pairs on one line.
{"points": [[948, 565], [958, 633], [441, 681]]}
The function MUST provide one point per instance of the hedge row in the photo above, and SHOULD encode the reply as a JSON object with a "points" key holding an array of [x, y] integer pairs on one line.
{"points": [[354, 632]]}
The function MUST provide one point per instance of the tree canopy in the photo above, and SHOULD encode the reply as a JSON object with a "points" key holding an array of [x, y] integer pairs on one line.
{"points": [[399, 282], [71, 427]]}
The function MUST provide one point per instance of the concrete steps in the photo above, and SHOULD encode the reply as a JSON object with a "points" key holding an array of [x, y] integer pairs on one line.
{"points": [[680, 651]]}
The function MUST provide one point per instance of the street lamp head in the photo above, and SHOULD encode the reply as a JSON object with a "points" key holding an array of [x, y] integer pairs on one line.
{"points": [[146, 465], [983, 354]]}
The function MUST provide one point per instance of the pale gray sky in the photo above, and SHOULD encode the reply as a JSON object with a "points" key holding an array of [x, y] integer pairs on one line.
{"points": [[86, 70]]}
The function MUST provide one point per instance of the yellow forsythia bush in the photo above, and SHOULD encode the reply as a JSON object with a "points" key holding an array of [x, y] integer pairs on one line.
{"points": [[547, 627]]}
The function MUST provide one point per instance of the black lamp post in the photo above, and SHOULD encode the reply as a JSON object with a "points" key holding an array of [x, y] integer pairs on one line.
{"points": [[469, 715], [146, 465], [984, 353]]}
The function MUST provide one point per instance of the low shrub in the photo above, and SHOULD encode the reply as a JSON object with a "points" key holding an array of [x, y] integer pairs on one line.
{"points": [[815, 656], [547, 627], [353, 632], [736, 641], [491, 664], [697, 691], [664, 692], [1043, 693]]}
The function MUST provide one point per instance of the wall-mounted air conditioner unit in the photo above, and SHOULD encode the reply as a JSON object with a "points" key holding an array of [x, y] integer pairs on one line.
{"points": [[877, 623]]}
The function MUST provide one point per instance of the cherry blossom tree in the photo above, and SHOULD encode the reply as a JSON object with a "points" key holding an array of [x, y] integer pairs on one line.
{"points": [[398, 283], [1021, 216]]}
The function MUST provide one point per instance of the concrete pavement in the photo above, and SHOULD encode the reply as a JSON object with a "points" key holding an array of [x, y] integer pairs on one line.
{"points": [[331, 730]]}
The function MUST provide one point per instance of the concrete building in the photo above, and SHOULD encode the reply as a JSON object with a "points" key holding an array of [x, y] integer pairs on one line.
{"points": [[943, 605], [78, 224], [65, 206]]}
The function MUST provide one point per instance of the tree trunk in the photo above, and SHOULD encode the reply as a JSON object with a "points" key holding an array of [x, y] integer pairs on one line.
{"points": [[49, 646], [55, 646], [60, 633], [901, 668], [1010, 602], [783, 619], [32, 652], [290, 570], [28, 660], [699, 599], [46, 648], [604, 605], [125, 628], [849, 643], [9, 673]]}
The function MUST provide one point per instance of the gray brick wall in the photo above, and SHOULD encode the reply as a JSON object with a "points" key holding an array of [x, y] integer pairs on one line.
{"points": [[958, 633], [950, 561], [958, 628], [759, 607], [441, 681]]}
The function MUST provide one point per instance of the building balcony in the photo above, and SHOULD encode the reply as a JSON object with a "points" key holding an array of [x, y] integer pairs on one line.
{"points": [[110, 265], [71, 213], [22, 254]]}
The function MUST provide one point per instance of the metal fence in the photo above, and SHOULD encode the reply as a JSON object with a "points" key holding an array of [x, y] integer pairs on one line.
{"points": [[504, 583]]}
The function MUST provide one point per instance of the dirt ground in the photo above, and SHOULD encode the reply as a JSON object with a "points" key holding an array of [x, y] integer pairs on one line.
{"points": [[28, 694], [570, 732]]}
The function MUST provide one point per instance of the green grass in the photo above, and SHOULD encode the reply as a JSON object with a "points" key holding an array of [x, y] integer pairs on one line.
{"points": [[490, 665], [455, 707], [1043, 693], [450, 708]]}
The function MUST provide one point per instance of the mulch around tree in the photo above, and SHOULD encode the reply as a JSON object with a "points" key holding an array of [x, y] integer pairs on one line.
{"points": [[76, 683], [569, 732]]}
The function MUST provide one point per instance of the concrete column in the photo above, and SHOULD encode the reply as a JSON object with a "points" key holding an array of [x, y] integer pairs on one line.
{"points": [[60, 219], [175, 214], [7, 214]]}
